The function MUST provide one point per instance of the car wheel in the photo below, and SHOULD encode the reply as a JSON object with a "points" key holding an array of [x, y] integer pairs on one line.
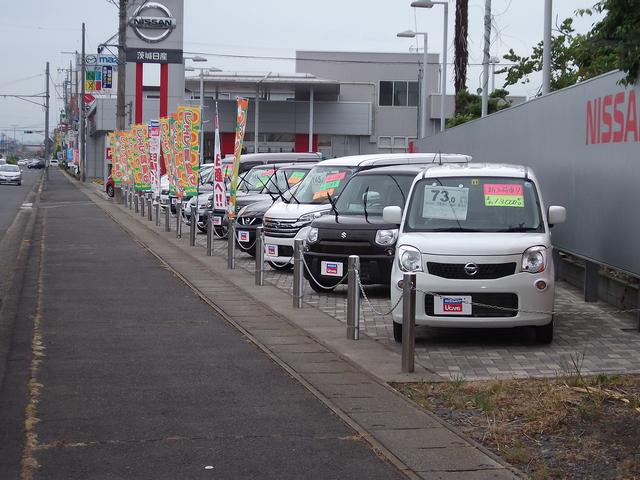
{"points": [[320, 288], [280, 267], [397, 332], [110, 191], [544, 333]]}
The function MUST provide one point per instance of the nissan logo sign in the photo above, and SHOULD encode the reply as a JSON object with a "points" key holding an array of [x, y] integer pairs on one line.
{"points": [[471, 269], [143, 26]]}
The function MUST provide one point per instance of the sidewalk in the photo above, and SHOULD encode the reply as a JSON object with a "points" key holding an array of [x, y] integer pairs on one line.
{"points": [[349, 377]]}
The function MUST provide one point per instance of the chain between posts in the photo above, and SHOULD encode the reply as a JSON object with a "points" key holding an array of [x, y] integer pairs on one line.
{"points": [[304, 262]]}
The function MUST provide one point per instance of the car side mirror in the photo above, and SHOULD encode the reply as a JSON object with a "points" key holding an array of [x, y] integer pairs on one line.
{"points": [[392, 215], [556, 215]]}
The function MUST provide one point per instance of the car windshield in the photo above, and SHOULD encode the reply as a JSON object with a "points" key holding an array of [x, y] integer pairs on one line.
{"points": [[369, 194], [468, 204], [256, 179], [9, 168], [206, 174], [322, 182], [284, 179]]}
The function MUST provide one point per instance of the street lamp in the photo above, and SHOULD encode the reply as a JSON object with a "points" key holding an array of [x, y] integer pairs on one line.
{"points": [[423, 93], [443, 81]]}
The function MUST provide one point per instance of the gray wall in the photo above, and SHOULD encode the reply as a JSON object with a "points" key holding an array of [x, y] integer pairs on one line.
{"points": [[597, 183]]}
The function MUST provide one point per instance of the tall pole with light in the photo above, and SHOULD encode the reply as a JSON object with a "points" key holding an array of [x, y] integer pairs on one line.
{"points": [[423, 89], [443, 73]]}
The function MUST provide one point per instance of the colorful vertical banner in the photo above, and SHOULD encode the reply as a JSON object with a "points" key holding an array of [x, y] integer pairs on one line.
{"points": [[189, 117], [165, 143], [141, 155], [241, 125], [219, 190], [154, 156], [129, 156], [179, 174], [116, 168]]}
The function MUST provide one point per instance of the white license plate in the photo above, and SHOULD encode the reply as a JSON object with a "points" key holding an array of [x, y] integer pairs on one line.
{"points": [[217, 221], [243, 236], [331, 269], [452, 305], [272, 250], [173, 201]]}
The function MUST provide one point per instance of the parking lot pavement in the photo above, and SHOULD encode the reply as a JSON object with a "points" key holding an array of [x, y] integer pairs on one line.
{"points": [[589, 334]]}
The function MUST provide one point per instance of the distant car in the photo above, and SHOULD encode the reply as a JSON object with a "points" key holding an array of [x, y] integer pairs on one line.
{"points": [[109, 187], [53, 162], [23, 162], [10, 174], [36, 164]]}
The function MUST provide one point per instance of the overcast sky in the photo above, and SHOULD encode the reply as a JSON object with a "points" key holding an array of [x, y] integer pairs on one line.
{"points": [[36, 31]]}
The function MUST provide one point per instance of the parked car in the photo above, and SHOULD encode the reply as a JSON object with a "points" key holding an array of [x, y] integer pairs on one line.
{"points": [[275, 185], [22, 162], [10, 174], [478, 239], [53, 162], [284, 222], [356, 227]]}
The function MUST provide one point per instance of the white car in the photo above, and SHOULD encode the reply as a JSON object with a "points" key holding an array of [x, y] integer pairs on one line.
{"points": [[286, 221], [477, 237], [53, 162]]}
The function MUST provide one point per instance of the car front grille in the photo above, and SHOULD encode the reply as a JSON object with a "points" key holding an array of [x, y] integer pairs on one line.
{"points": [[486, 271], [282, 228], [249, 221], [502, 300]]}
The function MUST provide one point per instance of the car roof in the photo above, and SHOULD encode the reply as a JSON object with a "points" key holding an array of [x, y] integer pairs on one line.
{"points": [[394, 170], [307, 165], [270, 157], [381, 159], [477, 170]]}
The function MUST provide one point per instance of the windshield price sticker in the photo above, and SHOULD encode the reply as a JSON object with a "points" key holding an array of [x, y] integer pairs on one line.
{"points": [[323, 193], [446, 203], [267, 173], [295, 177], [335, 176], [503, 195]]}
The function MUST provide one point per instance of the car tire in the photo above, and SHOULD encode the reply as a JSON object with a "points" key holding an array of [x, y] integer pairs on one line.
{"points": [[19, 184], [397, 332], [281, 268], [544, 333], [110, 191]]}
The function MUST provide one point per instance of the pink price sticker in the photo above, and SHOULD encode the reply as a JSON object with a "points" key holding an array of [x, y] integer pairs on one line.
{"points": [[503, 189], [267, 173], [335, 176]]}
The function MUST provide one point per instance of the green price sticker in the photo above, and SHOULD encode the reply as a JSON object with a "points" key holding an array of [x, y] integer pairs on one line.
{"points": [[328, 185], [504, 201]]}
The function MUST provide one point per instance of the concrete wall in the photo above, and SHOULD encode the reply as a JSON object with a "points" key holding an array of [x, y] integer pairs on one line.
{"points": [[582, 143]]}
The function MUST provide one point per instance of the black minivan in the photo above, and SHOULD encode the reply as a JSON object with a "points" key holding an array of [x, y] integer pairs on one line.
{"points": [[355, 227]]}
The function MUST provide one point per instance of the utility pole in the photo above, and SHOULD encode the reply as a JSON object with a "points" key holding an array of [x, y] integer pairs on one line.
{"points": [[122, 65], [546, 49], [46, 117], [83, 153], [485, 58]]}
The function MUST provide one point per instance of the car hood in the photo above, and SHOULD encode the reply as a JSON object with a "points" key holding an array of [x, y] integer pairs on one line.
{"points": [[293, 211], [257, 209], [353, 222], [252, 198], [473, 243], [202, 198]]}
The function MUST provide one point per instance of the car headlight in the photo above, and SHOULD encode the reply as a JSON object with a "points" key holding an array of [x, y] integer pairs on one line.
{"points": [[386, 237], [241, 211], [312, 235], [310, 217], [409, 259], [534, 259]]}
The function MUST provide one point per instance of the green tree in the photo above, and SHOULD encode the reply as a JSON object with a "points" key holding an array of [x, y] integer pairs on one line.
{"points": [[470, 105], [612, 43]]}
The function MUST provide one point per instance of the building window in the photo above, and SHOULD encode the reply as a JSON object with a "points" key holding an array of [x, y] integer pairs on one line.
{"points": [[393, 144], [398, 94]]}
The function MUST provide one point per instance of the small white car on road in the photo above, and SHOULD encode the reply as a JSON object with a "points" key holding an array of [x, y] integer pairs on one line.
{"points": [[477, 237]]}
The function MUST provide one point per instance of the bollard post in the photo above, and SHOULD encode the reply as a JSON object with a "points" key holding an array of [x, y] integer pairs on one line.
{"points": [[125, 196], [158, 211], [142, 204], [178, 219], [117, 194], [167, 216], [408, 322], [150, 206], [192, 226], [130, 195], [353, 299], [231, 245], [298, 274], [259, 256], [136, 205], [209, 232]]}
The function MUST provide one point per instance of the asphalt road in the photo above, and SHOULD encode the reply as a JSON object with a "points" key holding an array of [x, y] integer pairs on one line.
{"points": [[12, 196], [130, 375]]}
